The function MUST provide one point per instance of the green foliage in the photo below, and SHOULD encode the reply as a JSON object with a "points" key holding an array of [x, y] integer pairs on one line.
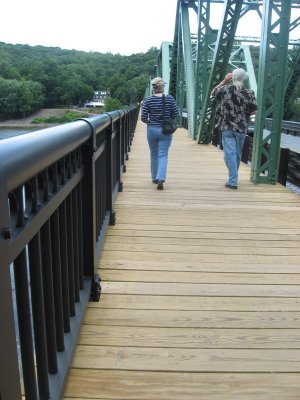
{"points": [[292, 108], [69, 116], [112, 104], [70, 77], [19, 98]]}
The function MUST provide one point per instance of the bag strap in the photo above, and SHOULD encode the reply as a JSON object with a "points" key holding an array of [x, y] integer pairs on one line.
{"points": [[163, 105]]}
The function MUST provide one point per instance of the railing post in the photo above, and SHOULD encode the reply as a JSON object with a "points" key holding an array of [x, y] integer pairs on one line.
{"points": [[127, 140], [123, 141], [215, 140], [246, 149], [89, 216], [283, 166], [119, 153], [9, 369], [109, 175]]}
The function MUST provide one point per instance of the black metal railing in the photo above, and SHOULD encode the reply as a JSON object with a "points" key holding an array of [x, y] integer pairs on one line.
{"points": [[289, 163], [57, 190], [288, 127]]}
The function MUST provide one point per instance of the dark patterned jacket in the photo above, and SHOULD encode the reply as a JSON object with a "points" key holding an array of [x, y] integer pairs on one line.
{"points": [[234, 108]]}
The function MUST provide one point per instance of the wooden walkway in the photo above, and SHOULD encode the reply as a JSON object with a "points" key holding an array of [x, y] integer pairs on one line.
{"points": [[200, 287]]}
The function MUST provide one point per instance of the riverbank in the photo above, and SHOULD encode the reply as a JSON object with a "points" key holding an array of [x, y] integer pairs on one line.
{"points": [[26, 123]]}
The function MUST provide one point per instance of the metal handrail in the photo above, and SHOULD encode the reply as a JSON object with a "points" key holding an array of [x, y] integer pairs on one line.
{"points": [[57, 189]]}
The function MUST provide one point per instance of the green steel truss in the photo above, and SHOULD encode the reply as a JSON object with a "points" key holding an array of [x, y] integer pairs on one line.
{"points": [[162, 67], [205, 37], [223, 47], [188, 64], [200, 60], [271, 90]]}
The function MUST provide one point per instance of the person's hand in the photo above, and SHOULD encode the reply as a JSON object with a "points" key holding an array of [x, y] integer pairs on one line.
{"points": [[228, 78]]}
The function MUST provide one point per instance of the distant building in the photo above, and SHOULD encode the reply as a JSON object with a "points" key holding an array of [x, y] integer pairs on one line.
{"points": [[98, 99], [94, 104]]}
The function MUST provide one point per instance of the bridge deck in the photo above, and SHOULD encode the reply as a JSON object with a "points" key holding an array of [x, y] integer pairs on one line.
{"points": [[200, 287]]}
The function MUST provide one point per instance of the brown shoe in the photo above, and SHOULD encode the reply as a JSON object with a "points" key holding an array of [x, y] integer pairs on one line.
{"points": [[160, 185], [230, 186]]}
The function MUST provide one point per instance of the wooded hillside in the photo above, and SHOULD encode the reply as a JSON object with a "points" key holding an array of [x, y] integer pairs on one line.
{"points": [[33, 77]]}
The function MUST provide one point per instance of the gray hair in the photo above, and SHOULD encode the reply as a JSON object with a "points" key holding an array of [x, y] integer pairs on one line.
{"points": [[157, 85], [239, 76]]}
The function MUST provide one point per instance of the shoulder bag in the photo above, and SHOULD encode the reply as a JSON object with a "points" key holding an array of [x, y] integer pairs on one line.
{"points": [[169, 125]]}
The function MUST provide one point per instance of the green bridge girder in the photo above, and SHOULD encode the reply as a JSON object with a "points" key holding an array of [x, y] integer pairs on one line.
{"points": [[219, 67], [198, 61], [271, 91]]}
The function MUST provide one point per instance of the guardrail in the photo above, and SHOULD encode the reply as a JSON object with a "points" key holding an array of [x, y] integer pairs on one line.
{"points": [[57, 189], [289, 127]]}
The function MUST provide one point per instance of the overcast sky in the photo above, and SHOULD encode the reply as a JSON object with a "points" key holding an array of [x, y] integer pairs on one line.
{"points": [[116, 26]]}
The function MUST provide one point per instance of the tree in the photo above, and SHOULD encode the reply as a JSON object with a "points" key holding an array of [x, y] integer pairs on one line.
{"points": [[19, 98], [112, 104], [71, 77]]}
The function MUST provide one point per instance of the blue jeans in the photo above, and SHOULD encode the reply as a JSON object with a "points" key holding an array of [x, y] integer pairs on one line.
{"points": [[233, 143], [159, 145]]}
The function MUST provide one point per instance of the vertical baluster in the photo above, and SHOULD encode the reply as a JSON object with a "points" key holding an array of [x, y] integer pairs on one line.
{"points": [[75, 244], [69, 206], [37, 294], [80, 232], [57, 281], [38, 312], [24, 310], [49, 297], [64, 265], [98, 194], [10, 387], [103, 187], [25, 330]]}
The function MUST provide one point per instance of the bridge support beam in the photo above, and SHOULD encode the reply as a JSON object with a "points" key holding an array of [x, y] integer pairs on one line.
{"points": [[232, 12], [271, 89], [204, 34], [188, 67]]}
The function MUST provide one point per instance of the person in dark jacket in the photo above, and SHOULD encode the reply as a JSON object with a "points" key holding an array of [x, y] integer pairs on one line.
{"points": [[236, 105], [159, 143]]}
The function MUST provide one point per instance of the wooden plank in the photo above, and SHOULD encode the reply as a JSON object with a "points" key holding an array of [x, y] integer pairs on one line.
{"points": [[136, 336], [198, 277], [137, 385], [192, 319], [201, 303], [192, 236], [200, 287], [212, 228], [155, 256], [207, 243], [200, 266], [220, 250], [223, 208], [191, 193], [187, 360], [231, 219]]}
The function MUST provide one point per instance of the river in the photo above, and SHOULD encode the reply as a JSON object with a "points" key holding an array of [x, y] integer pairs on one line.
{"points": [[10, 132]]}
